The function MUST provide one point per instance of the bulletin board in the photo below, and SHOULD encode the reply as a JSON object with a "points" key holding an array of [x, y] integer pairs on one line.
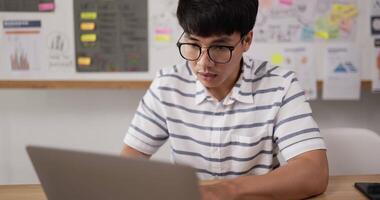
{"points": [[102, 43]]}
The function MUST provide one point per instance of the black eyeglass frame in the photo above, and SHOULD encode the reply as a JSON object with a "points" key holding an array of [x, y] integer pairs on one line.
{"points": [[231, 48]]}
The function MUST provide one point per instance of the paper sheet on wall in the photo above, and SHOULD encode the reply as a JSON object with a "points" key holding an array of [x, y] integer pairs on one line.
{"points": [[300, 60], [296, 57], [20, 45], [376, 66], [342, 73]]}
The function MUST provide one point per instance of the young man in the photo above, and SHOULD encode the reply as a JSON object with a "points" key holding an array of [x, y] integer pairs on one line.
{"points": [[229, 116]]}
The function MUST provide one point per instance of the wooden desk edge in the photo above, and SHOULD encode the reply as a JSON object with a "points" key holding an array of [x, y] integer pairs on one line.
{"points": [[87, 84]]}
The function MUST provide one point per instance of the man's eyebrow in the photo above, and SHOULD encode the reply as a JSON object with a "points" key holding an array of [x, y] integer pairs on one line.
{"points": [[223, 39], [187, 36]]}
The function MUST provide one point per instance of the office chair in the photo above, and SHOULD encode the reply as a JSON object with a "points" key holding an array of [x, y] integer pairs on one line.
{"points": [[352, 151]]}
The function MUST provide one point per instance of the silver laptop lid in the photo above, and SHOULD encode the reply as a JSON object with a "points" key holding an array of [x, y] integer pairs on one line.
{"points": [[74, 175]]}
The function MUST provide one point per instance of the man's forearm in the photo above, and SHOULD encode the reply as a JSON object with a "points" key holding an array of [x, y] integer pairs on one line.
{"points": [[299, 179], [128, 151]]}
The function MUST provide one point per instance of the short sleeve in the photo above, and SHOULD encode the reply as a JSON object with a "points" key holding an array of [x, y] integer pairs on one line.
{"points": [[295, 131], [148, 130]]}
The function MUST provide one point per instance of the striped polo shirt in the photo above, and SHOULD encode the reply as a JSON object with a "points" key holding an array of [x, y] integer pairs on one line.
{"points": [[265, 114]]}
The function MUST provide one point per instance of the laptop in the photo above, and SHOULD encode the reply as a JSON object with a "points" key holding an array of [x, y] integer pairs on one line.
{"points": [[75, 175]]}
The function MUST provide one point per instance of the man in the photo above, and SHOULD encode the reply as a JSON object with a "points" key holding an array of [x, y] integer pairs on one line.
{"points": [[229, 116]]}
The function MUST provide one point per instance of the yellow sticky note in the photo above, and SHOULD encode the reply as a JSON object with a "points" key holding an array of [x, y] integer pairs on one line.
{"points": [[277, 59], [344, 11], [162, 38], [88, 38], [84, 61], [87, 26], [88, 15], [322, 34]]}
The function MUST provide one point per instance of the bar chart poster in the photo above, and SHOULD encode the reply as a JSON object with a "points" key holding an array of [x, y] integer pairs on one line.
{"points": [[27, 5], [111, 36]]}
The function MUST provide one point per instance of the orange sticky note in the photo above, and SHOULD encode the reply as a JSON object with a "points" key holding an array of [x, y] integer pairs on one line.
{"points": [[84, 61], [87, 26]]}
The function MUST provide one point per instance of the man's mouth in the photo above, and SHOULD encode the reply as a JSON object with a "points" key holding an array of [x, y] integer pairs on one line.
{"points": [[207, 76]]}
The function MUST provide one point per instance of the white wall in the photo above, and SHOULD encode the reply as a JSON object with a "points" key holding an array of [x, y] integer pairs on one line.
{"points": [[96, 120], [93, 120]]}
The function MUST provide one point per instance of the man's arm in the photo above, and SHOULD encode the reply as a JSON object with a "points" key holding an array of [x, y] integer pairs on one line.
{"points": [[304, 176], [128, 151]]}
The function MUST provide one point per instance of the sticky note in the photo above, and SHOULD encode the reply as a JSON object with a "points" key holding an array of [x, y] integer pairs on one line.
{"points": [[277, 59], [87, 26], [88, 15], [84, 61], [165, 31], [48, 6], [286, 2], [88, 38], [322, 34], [344, 11], [162, 38]]}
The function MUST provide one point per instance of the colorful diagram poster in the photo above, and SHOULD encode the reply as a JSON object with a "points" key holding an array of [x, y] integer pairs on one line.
{"points": [[21, 45], [342, 73], [306, 20]]}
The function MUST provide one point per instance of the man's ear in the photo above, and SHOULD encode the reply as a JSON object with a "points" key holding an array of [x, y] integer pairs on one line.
{"points": [[247, 41]]}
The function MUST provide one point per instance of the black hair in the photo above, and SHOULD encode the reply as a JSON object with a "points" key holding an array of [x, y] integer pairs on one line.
{"points": [[217, 17]]}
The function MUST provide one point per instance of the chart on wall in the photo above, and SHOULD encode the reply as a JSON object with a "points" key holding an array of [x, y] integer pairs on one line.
{"points": [[306, 20], [111, 36], [27, 5], [21, 45]]}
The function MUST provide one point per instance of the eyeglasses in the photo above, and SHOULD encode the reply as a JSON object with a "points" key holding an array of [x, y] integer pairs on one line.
{"points": [[220, 54]]}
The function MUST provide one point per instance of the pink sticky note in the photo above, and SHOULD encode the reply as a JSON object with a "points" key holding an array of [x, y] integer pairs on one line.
{"points": [[50, 6], [163, 31], [287, 2]]}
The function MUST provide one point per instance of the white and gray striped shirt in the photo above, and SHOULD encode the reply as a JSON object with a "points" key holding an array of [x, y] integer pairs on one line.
{"points": [[265, 114]]}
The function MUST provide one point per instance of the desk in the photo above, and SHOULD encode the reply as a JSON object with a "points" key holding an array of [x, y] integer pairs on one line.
{"points": [[339, 188]]}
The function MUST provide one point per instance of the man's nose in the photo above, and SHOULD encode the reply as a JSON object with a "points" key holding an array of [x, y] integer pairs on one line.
{"points": [[204, 59]]}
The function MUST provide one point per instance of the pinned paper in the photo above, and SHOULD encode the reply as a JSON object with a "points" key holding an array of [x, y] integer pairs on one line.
{"points": [[277, 59], [88, 15], [48, 6], [88, 38], [84, 61], [87, 26]]}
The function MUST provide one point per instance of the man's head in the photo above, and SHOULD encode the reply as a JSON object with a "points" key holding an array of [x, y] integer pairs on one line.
{"points": [[216, 34], [217, 17]]}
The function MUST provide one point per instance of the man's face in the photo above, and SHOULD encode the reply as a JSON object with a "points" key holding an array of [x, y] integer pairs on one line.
{"points": [[216, 76]]}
